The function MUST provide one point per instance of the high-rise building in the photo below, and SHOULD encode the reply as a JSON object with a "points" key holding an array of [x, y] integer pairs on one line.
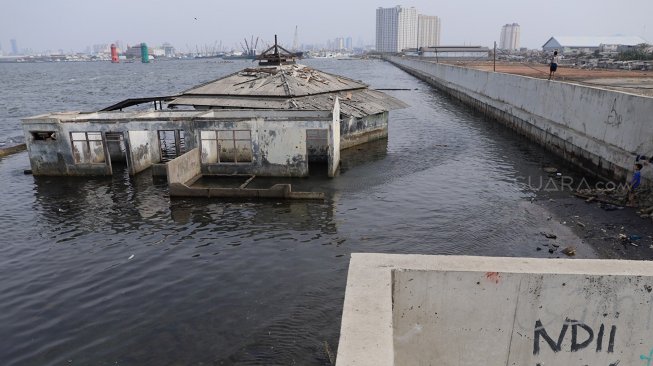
{"points": [[14, 47], [428, 31], [396, 28], [340, 43], [349, 44], [510, 35]]}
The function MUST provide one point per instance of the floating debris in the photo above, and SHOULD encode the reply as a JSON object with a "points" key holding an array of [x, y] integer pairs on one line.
{"points": [[569, 251]]}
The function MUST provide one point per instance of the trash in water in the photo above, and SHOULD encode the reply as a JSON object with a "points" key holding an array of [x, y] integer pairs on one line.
{"points": [[570, 251], [130, 257]]}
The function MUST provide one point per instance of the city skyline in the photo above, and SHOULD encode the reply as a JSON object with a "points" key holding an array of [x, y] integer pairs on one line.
{"points": [[74, 25]]}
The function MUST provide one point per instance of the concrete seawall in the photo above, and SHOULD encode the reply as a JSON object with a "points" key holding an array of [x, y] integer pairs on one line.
{"points": [[598, 130], [457, 310]]}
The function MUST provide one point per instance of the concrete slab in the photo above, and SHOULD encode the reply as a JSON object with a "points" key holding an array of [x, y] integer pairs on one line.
{"points": [[453, 310]]}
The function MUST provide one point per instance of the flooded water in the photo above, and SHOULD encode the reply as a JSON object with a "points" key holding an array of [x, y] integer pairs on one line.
{"points": [[111, 271]]}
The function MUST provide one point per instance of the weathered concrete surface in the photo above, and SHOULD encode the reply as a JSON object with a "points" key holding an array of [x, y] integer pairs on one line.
{"points": [[357, 131], [453, 310], [185, 167], [334, 140], [277, 138], [142, 151], [597, 129], [282, 191]]}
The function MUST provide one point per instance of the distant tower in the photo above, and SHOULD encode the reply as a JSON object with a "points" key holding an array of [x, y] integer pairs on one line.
{"points": [[349, 44], [295, 42], [14, 47], [428, 31], [114, 54], [396, 29], [510, 37]]}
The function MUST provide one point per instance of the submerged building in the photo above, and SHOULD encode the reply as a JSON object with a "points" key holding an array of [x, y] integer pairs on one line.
{"points": [[271, 120]]}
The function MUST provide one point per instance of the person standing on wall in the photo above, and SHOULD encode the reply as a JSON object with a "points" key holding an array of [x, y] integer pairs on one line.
{"points": [[554, 64]]}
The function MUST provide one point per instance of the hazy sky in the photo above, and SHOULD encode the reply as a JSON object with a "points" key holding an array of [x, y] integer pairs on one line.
{"points": [[76, 24]]}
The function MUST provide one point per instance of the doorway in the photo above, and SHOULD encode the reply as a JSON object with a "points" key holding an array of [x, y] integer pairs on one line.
{"points": [[117, 148], [317, 151]]}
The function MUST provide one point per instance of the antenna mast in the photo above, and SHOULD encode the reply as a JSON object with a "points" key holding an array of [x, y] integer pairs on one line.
{"points": [[295, 42]]}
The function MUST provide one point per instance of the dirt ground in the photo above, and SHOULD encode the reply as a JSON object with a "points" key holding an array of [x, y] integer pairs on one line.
{"points": [[605, 230], [636, 82]]}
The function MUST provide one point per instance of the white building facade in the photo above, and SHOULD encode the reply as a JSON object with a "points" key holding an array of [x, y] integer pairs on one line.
{"points": [[428, 31], [396, 29], [510, 37]]}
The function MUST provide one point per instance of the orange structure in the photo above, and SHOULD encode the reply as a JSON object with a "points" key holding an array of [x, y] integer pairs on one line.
{"points": [[114, 54]]}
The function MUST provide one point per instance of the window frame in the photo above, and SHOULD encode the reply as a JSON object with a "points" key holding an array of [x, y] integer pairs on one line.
{"points": [[219, 136], [73, 140]]}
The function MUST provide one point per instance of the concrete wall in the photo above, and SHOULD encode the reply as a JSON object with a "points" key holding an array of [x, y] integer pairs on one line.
{"points": [[597, 129], [334, 140], [278, 139], [141, 146], [278, 147], [184, 168], [55, 157], [356, 131], [451, 310]]}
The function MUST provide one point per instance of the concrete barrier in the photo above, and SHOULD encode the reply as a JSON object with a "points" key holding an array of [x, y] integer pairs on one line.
{"points": [[597, 129], [453, 310], [184, 168]]}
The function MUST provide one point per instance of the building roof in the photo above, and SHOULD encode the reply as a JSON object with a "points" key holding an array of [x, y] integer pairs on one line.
{"points": [[295, 87], [586, 41], [276, 81], [355, 103]]}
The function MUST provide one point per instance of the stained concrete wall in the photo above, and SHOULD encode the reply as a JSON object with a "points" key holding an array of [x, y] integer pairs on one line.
{"points": [[452, 310], [599, 130], [55, 157], [278, 146], [334, 140], [141, 153], [278, 139], [184, 168], [357, 131]]}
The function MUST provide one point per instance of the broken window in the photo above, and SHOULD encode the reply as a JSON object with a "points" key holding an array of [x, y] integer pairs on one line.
{"points": [[88, 147], [172, 144], [44, 135], [226, 146]]}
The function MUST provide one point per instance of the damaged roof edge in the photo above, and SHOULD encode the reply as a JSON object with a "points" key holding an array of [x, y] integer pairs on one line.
{"points": [[136, 101]]}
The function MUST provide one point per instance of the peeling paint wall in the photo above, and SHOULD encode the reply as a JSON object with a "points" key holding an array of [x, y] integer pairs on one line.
{"points": [[276, 145], [141, 147], [356, 131], [55, 157], [597, 129], [334, 140]]}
